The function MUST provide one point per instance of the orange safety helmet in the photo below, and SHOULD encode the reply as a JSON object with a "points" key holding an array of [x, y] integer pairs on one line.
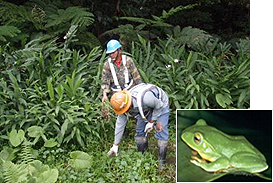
{"points": [[121, 101]]}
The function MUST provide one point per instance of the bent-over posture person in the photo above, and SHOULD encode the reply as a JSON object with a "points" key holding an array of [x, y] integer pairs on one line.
{"points": [[149, 104]]}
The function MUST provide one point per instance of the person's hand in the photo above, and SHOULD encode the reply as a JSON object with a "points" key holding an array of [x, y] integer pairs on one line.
{"points": [[148, 127], [158, 126], [104, 96], [113, 151]]}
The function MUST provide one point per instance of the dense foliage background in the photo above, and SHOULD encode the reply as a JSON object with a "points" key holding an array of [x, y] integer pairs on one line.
{"points": [[51, 57]]}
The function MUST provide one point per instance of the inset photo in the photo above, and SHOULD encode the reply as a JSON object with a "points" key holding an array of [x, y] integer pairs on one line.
{"points": [[224, 145]]}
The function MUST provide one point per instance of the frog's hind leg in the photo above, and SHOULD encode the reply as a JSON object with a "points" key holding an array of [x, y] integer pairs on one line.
{"points": [[216, 166], [248, 162]]}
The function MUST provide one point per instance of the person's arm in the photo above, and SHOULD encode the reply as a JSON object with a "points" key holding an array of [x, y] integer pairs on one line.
{"points": [[154, 103], [105, 81], [157, 105], [120, 127], [119, 130]]}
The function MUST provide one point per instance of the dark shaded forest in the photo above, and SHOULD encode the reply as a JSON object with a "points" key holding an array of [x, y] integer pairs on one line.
{"points": [[227, 19]]}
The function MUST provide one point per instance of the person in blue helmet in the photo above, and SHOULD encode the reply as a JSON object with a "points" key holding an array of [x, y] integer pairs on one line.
{"points": [[119, 71]]}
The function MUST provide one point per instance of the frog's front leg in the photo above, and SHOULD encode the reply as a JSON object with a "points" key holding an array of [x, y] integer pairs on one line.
{"points": [[216, 166], [249, 162]]}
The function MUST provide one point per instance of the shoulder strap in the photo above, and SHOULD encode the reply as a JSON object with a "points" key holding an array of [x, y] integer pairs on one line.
{"points": [[114, 75], [124, 59], [128, 82], [140, 98], [126, 74]]}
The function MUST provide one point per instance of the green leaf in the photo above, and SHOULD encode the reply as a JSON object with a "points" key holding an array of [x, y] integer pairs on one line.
{"points": [[64, 127], [60, 91], [222, 100], [79, 138], [39, 167], [7, 154], [16, 138], [14, 84], [49, 176], [8, 31], [143, 75], [50, 143], [80, 160], [50, 89], [188, 87], [177, 105], [35, 131], [204, 100], [189, 60]]}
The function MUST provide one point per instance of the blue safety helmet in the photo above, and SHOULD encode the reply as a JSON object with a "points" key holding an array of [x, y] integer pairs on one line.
{"points": [[112, 46]]}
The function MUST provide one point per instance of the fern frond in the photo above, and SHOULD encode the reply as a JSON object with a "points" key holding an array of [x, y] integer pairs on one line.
{"points": [[159, 21], [14, 172], [75, 15], [243, 46], [81, 16], [144, 21], [172, 11], [26, 154], [48, 6], [12, 13], [87, 40], [8, 31], [194, 37], [122, 29], [8, 11]]}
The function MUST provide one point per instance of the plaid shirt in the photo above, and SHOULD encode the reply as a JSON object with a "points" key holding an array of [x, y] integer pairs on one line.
{"points": [[107, 81]]}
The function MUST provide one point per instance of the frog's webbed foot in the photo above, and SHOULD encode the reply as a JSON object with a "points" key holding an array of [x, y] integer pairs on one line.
{"points": [[220, 171], [195, 159], [227, 169], [196, 162], [194, 153]]}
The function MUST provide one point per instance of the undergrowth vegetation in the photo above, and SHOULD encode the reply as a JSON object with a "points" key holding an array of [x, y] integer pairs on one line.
{"points": [[51, 128]]}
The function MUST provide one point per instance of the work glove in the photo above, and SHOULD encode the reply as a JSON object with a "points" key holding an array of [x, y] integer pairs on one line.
{"points": [[149, 126], [113, 151]]}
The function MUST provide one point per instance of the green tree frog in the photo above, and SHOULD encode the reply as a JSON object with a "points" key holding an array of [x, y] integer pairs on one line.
{"points": [[220, 152]]}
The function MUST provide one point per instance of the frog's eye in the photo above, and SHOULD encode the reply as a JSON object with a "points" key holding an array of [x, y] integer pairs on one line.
{"points": [[197, 138]]}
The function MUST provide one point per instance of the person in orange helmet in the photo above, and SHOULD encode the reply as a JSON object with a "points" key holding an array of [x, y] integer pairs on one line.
{"points": [[149, 104]]}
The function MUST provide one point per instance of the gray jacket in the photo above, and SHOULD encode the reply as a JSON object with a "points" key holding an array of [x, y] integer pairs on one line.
{"points": [[154, 99]]}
